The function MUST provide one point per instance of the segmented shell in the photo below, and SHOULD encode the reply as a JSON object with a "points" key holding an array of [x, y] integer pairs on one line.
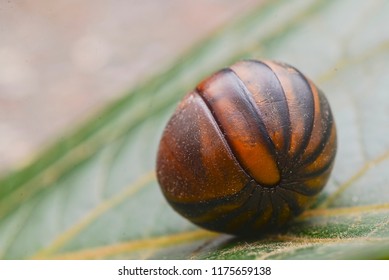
{"points": [[248, 149]]}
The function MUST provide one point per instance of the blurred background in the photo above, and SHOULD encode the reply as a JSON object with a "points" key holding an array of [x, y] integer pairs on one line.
{"points": [[61, 61]]}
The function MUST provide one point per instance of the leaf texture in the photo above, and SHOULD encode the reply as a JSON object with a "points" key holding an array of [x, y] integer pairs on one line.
{"points": [[94, 195]]}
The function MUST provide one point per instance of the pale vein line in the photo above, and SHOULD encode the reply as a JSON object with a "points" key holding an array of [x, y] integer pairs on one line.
{"points": [[364, 170], [307, 243], [285, 250], [343, 62], [100, 209], [131, 246], [368, 165], [171, 240], [378, 227], [333, 212], [81, 151]]}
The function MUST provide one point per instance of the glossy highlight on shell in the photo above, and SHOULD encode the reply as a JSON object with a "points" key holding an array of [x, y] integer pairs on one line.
{"points": [[248, 149]]}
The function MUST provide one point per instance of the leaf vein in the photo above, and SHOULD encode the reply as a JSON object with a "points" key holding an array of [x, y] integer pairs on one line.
{"points": [[96, 212]]}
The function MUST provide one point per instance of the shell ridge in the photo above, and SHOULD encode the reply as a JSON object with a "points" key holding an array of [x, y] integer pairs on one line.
{"points": [[248, 95], [325, 138], [309, 130], [270, 147], [265, 139], [288, 131]]}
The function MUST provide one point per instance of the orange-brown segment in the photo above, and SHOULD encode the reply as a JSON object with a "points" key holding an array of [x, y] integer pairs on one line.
{"points": [[317, 183], [194, 162], [247, 150], [236, 113], [300, 103], [326, 155], [317, 130], [269, 97]]}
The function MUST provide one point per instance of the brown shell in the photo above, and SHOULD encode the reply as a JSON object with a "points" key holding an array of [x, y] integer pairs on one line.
{"points": [[248, 149]]}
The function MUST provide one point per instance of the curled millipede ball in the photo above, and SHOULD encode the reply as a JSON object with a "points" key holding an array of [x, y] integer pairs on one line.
{"points": [[248, 149]]}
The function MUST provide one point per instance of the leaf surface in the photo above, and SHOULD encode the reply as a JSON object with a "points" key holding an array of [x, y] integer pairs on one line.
{"points": [[94, 195]]}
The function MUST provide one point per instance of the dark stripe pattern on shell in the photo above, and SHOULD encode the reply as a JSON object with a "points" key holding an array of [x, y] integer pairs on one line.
{"points": [[247, 150]]}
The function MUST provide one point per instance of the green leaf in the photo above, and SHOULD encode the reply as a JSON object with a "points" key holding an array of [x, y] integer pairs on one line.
{"points": [[94, 195]]}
